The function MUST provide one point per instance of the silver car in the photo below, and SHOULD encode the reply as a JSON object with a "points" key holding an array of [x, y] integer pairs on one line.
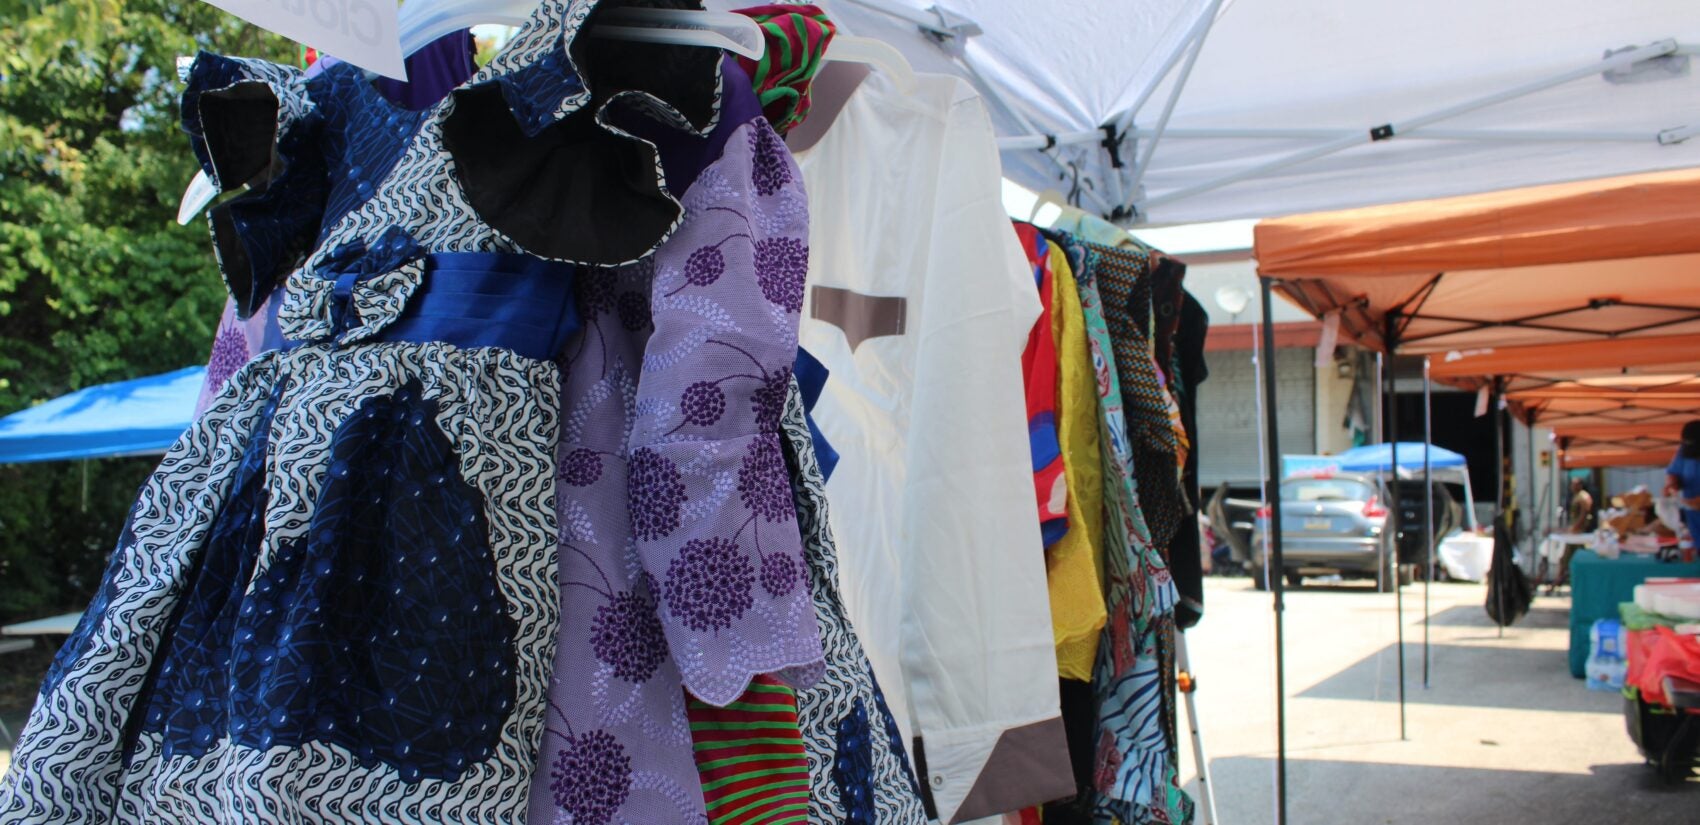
{"points": [[1330, 525]]}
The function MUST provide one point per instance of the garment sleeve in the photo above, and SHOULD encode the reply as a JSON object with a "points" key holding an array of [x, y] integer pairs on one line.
{"points": [[710, 496], [977, 653], [253, 125]]}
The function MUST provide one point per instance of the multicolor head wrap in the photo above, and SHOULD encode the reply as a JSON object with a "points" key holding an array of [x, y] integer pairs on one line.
{"points": [[797, 37]]}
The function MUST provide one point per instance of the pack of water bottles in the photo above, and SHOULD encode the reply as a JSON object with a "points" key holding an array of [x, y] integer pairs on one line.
{"points": [[1607, 655]]}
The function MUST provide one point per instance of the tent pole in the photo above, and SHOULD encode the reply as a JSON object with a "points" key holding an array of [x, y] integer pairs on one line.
{"points": [[1499, 457], [1395, 513], [1534, 502], [1277, 578], [1429, 543], [1040, 141], [1391, 130], [1194, 46]]}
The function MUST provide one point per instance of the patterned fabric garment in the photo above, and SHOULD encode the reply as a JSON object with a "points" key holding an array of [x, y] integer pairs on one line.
{"points": [[1154, 425], [337, 599], [1039, 368], [859, 769], [750, 754], [1137, 771], [797, 37], [434, 71], [1074, 564], [681, 559]]}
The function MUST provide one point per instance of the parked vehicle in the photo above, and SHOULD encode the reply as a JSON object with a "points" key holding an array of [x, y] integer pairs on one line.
{"points": [[1331, 525]]}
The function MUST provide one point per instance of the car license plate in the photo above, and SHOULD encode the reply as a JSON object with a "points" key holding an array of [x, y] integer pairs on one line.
{"points": [[1319, 523]]}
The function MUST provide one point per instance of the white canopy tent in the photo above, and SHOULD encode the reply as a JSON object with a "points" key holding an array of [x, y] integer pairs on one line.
{"points": [[1253, 108]]}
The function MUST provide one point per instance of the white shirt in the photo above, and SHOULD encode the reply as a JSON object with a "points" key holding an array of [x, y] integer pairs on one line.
{"points": [[932, 503]]}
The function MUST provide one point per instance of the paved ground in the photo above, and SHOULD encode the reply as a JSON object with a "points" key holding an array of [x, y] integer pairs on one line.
{"points": [[1502, 735]]}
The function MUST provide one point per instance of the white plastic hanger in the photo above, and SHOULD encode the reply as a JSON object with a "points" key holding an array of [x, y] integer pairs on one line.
{"points": [[876, 53], [423, 21]]}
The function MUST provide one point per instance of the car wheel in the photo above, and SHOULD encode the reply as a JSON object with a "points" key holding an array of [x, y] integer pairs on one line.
{"points": [[1295, 579]]}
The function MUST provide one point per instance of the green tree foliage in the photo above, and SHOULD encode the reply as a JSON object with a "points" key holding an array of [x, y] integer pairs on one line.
{"points": [[97, 282]]}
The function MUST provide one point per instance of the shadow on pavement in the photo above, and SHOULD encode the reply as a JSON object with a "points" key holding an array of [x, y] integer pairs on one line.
{"points": [[1468, 676], [1329, 791], [1474, 615]]}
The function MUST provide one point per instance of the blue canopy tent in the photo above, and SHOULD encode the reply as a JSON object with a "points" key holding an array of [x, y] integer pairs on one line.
{"points": [[1372, 458], [1445, 464], [138, 417]]}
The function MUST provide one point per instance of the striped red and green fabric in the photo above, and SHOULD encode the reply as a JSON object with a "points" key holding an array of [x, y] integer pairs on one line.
{"points": [[750, 756], [796, 40]]}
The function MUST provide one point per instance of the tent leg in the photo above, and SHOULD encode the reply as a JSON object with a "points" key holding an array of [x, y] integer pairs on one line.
{"points": [[1534, 503], [1277, 578], [1394, 517], [1206, 789], [1500, 457], [1429, 543]]}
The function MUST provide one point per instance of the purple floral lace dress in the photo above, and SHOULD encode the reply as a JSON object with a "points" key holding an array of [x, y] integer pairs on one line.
{"points": [[681, 560]]}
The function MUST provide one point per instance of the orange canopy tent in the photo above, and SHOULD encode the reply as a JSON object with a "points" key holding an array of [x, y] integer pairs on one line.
{"points": [[1618, 402], [1579, 301], [1645, 444], [1582, 262]]}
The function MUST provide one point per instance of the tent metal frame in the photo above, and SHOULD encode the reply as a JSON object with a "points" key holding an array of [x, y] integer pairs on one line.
{"points": [[951, 31], [1391, 130]]}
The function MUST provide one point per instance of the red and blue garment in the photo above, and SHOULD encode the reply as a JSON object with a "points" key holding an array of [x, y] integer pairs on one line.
{"points": [[1039, 366]]}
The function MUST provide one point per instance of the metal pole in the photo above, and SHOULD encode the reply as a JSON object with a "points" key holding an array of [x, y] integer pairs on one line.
{"points": [[1429, 542], [1499, 457], [1041, 141], [1534, 495], [1196, 46], [1377, 426], [1394, 514], [1188, 688], [1277, 580], [1359, 137]]}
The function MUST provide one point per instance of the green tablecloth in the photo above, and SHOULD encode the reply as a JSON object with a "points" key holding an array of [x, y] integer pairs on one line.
{"points": [[1597, 586]]}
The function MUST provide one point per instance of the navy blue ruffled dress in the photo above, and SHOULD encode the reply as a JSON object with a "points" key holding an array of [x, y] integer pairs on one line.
{"points": [[336, 599]]}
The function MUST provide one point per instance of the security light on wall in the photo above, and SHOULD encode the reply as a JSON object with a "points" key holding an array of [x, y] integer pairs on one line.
{"points": [[1232, 300]]}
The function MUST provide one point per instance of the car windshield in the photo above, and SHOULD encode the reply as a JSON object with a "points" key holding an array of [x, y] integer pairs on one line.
{"points": [[1325, 489]]}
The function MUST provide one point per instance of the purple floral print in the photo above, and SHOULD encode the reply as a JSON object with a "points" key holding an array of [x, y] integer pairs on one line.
{"points": [[591, 778], [581, 467], [702, 403], [681, 565], [708, 584], [626, 635], [779, 574], [657, 493], [704, 266], [763, 482], [782, 265], [772, 162]]}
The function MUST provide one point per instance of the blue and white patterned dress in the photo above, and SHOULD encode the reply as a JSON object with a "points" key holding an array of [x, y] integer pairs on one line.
{"points": [[339, 597]]}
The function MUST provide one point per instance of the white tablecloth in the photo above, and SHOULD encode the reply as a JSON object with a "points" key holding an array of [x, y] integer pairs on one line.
{"points": [[1466, 556], [53, 626], [1552, 549]]}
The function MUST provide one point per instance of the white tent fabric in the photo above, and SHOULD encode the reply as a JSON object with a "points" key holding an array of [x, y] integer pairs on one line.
{"points": [[1303, 75]]}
